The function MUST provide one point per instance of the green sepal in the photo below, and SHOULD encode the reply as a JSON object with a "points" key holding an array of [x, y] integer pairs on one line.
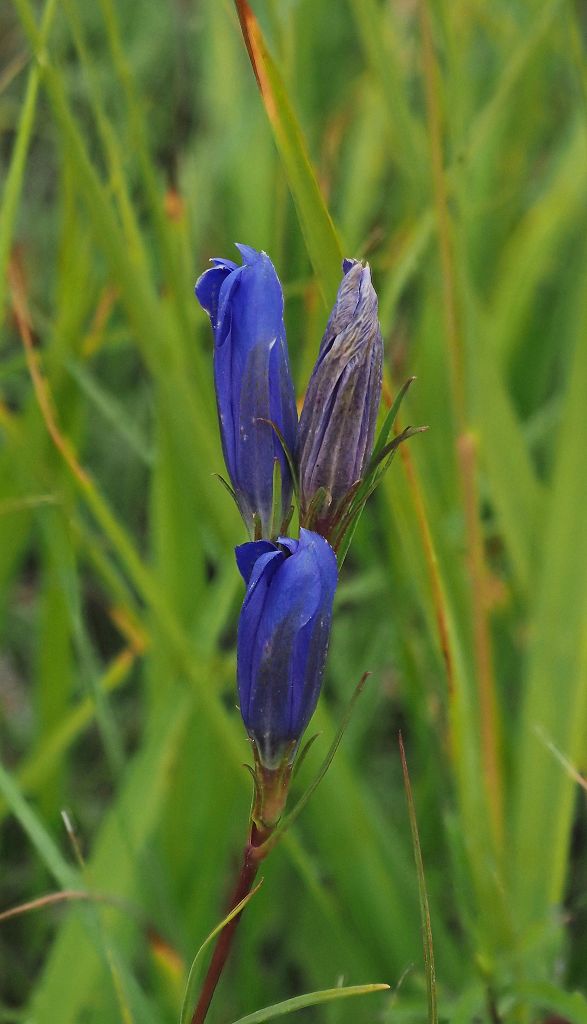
{"points": [[390, 418], [288, 455], [255, 532], [303, 754], [270, 796], [321, 500], [287, 520], [227, 487], [256, 794], [391, 448], [288, 820], [380, 461], [276, 504], [257, 527], [346, 540]]}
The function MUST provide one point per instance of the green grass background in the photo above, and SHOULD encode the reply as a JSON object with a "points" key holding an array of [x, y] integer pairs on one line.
{"points": [[449, 141]]}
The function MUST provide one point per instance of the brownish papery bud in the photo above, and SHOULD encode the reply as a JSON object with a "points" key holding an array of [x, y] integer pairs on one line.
{"points": [[337, 424]]}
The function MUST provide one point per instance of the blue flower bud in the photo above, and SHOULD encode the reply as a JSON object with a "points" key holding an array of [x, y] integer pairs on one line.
{"points": [[253, 380], [283, 635], [337, 424]]}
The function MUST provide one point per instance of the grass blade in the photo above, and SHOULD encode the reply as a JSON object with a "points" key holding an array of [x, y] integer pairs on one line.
{"points": [[37, 833], [194, 972], [556, 685], [310, 999], [424, 905], [15, 177], [316, 223]]}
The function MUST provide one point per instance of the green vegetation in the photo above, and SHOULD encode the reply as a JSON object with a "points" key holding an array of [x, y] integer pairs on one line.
{"points": [[446, 142]]}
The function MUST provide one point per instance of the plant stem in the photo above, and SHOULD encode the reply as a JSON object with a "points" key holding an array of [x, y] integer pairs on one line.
{"points": [[244, 884], [271, 786]]}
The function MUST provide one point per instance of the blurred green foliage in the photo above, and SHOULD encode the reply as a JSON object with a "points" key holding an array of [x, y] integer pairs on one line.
{"points": [[449, 140]]}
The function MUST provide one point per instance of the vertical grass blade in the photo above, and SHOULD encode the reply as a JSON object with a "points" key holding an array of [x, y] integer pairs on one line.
{"points": [[15, 177], [316, 223], [427, 940], [556, 686]]}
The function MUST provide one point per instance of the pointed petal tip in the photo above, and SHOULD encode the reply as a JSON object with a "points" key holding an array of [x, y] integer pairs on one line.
{"points": [[249, 254], [248, 554], [348, 263], [311, 539]]}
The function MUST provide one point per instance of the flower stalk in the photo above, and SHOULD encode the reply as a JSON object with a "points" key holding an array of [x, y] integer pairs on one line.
{"points": [[269, 798]]}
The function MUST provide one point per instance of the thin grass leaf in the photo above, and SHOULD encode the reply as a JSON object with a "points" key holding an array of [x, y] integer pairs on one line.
{"points": [[564, 762], [45, 758], [555, 699], [310, 999], [544, 996], [427, 939], [114, 865], [374, 31], [301, 757], [390, 448], [376, 471], [189, 997], [113, 412], [316, 223], [389, 420], [103, 941], [43, 842], [16, 173], [490, 118], [289, 819], [67, 896]]}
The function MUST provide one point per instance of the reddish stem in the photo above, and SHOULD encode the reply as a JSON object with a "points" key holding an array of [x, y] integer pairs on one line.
{"points": [[271, 785], [243, 887]]}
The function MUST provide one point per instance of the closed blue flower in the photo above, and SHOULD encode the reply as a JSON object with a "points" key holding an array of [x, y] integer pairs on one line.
{"points": [[337, 424], [253, 380], [283, 635]]}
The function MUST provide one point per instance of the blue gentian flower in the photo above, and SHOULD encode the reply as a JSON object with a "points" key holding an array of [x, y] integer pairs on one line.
{"points": [[337, 424], [253, 381], [283, 635]]}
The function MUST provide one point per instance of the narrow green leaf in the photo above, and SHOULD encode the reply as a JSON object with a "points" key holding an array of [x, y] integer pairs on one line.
{"points": [[290, 818], [555, 700], [490, 118], [112, 411], [189, 997], [301, 757], [15, 176], [43, 842], [518, 494], [327, 995], [114, 865], [373, 25], [276, 516], [320, 235], [378, 467], [390, 418], [227, 487], [391, 447], [423, 894], [286, 451], [569, 1006]]}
